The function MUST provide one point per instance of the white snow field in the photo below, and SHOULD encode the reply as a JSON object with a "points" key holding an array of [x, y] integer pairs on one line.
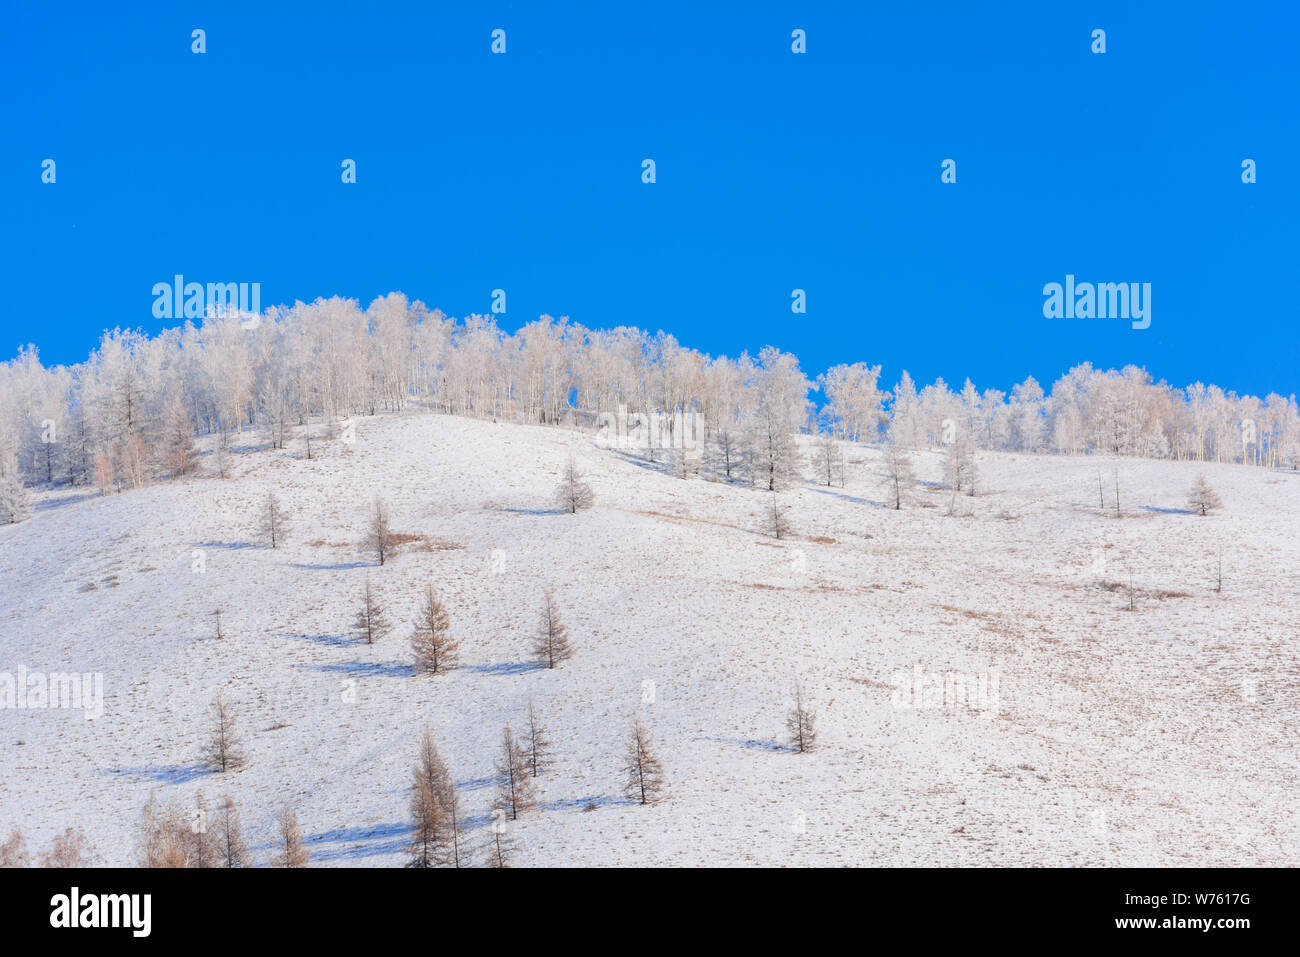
{"points": [[1162, 735]]}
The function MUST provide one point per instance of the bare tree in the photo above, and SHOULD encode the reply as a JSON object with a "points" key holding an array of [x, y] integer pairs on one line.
{"points": [[164, 841], [13, 852], [645, 781], [537, 743], [273, 524], [573, 493], [514, 787], [224, 749], [68, 850], [799, 723], [371, 624], [434, 809], [551, 644], [898, 475], [828, 460], [292, 851], [221, 455], [501, 848], [426, 824], [959, 471], [1203, 499], [435, 649], [777, 519], [379, 537], [216, 615], [726, 454], [232, 851], [201, 840]]}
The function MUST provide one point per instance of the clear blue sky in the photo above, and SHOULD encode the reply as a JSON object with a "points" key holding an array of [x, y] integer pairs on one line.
{"points": [[775, 171]]}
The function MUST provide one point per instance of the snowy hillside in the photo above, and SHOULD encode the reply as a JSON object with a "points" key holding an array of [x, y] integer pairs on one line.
{"points": [[1161, 735]]}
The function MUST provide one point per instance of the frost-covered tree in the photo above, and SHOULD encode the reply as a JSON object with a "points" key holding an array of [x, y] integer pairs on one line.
{"points": [[899, 476], [573, 494], [1203, 499], [828, 461], [777, 518], [725, 454], [855, 400], [179, 450], [15, 502], [959, 471]]}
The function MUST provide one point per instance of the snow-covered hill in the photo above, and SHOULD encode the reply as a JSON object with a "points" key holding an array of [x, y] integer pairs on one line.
{"points": [[1159, 735]]}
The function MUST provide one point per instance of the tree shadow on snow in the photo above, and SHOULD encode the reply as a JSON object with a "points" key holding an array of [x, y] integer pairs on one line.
{"points": [[823, 490], [53, 503], [755, 744], [505, 668], [366, 842], [342, 566], [368, 669], [641, 461], [229, 545], [167, 774], [1169, 511], [536, 511], [336, 641]]}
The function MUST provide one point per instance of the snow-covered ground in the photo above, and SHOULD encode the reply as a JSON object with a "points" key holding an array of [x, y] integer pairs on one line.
{"points": [[1165, 735]]}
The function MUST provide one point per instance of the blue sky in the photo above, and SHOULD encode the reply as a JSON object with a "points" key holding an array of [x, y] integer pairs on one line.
{"points": [[775, 171]]}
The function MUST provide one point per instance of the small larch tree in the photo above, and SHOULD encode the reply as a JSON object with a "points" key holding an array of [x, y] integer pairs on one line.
{"points": [[371, 623], [273, 525], [379, 536], [644, 780], [551, 643], [777, 519], [573, 494], [435, 649], [232, 850], [537, 743], [1202, 499], [201, 839], [501, 847], [828, 460], [292, 851], [514, 785], [224, 749], [898, 476], [435, 811], [800, 723]]}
